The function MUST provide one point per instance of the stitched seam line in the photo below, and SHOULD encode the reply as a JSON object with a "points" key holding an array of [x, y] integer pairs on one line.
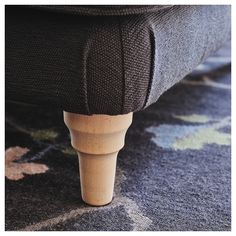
{"points": [[152, 68], [123, 64], [85, 76]]}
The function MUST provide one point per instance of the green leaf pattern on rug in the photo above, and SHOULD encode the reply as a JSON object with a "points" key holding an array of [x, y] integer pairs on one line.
{"points": [[69, 151], [193, 135], [43, 134], [193, 118], [37, 135]]}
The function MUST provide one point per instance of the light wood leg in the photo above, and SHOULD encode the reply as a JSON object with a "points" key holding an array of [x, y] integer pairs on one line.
{"points": [[97, 139]]}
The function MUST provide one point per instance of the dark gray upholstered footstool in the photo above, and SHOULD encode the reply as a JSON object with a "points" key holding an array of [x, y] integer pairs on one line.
{"points": [[102, 63]]}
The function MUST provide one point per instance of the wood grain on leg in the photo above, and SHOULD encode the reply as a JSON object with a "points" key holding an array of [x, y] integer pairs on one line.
{"points": [[97, 139]]}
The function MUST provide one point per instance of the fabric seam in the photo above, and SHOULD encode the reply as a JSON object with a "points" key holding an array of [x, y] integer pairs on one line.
{"points": [[152, 69], [123, 64]]}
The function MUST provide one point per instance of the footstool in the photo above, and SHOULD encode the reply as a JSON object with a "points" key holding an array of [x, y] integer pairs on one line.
{"points": [[99, 64]]}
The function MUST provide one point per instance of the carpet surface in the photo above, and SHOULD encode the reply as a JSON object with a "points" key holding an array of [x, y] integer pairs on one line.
{"points": [[173, 174]]}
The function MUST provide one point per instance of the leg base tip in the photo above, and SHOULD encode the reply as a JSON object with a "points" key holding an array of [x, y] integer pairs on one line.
{"points": [[97, 203]]}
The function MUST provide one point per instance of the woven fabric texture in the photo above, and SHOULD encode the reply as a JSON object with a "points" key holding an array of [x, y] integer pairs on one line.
{"points": [[102, 10], [109, 64]]}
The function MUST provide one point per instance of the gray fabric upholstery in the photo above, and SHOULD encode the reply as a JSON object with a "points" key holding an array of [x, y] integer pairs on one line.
{"points": [[102, 10], [184, 41], [107, 64]]}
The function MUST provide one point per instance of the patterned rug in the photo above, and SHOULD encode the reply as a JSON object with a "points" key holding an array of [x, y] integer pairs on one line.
{"points": [[173, 174]]}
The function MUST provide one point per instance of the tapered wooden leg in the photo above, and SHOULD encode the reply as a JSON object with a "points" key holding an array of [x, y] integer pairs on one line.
{"points": [[97, 139]]}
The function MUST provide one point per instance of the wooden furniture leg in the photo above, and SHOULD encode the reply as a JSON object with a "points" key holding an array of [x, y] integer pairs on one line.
{"points": [[97, 139]]}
